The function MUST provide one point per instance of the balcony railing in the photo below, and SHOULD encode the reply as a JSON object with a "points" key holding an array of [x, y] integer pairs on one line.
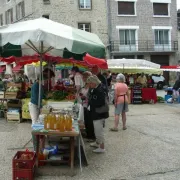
{"points": [[144, 46]]}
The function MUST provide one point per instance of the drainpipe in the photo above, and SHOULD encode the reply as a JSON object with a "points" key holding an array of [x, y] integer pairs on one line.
{"points": [[108, 15]]}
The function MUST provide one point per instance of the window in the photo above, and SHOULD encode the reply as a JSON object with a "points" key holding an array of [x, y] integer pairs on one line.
{"points": [[46, 1], [20, 10], [127, 37], [85, 4], [126, 8], [9, 16], [45, 16], [161, 9], [84, 26], [1, 20], [161, 37]]}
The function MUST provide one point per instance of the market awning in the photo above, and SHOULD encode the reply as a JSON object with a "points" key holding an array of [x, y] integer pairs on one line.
{"points": [[17, 68], [2, 69], [173, 68], [101, 63]]}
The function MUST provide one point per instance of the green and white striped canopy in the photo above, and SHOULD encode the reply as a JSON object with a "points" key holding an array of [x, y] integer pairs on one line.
{"points": [[55, 37]]}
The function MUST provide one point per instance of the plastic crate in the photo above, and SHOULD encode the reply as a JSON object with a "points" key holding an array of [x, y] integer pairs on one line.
{"points": [[23, 164], [23, 174], [167, 97]]}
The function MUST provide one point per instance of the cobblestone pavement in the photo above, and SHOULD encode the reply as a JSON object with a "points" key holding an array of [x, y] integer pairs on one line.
{"points": [[148, 150]]}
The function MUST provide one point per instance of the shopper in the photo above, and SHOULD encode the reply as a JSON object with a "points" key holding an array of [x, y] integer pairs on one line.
{"points": [[99, 111], [109, 79], [87, 119], [120, 101]]}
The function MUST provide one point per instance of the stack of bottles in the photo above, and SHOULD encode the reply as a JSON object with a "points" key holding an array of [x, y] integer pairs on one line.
{"points": [[60, 122]]}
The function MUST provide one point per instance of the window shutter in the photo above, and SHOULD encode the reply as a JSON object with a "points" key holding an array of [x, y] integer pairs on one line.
{"points": [[23, 8], [17, 17], [11, 15], [6, 17]]}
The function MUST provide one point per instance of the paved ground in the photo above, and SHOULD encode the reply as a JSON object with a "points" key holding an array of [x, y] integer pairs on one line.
{"points": [[148, 150]]}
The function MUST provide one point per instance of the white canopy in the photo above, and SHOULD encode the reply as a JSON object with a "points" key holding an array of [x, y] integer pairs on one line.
{"points": [[56, 35], [131, 63]]}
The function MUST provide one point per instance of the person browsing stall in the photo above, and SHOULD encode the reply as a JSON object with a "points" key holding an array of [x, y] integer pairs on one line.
{"points": [[120, 102], [99, 111]]}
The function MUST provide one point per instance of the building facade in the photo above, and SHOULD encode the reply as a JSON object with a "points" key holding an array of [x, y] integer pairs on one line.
{"points": [[144, 29], [88, 15]]}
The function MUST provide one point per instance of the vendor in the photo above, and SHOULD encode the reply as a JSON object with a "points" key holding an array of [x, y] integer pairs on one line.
{"points": [[150, 81], [33, 105], [142, 80], [176, 88], [78, 80]]}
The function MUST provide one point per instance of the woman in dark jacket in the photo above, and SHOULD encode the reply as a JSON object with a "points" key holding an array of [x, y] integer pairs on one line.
{"points": [[99, 111]]}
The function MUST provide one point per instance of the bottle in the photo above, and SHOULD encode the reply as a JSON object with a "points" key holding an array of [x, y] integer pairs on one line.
{"points": [[45, 122], [51, 121], [61, 126], [48, 122], [70, 123], [55, 122]]}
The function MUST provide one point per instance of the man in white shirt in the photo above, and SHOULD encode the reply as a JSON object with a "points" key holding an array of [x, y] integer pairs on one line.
{"points": [[78, 80]]}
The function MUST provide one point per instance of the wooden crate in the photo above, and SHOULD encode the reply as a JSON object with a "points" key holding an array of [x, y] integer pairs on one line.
{"points": [[1, 94], [11, 117], [10, 95]]}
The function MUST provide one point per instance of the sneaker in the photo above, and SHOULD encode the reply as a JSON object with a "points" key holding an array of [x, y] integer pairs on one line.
{"points": [[99, 150], [94, 145]]}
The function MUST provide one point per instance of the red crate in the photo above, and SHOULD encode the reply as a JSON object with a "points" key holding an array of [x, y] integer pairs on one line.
{"points": [[23, 164], [23, 174]]}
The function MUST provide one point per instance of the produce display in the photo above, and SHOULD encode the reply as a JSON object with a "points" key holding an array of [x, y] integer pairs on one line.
{"points": [[60, 95], [26, 156], [12, 89]]}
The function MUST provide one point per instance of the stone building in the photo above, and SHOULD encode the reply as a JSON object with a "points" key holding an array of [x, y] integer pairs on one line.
{"points": [[89, 15], [144, 29]]}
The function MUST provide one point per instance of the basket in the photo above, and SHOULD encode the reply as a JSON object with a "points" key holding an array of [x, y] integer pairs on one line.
{"points": [[24, 164], [23, 174]]}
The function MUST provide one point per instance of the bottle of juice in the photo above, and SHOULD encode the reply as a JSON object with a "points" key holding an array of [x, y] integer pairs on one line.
{"points": [[61, 128], [51, 121], [48, 122], [55, 122], [45, 122], [70, 123]]}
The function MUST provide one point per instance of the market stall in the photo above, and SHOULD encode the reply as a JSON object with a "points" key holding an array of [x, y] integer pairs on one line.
{"points": [[42, 36], [131, 67]]}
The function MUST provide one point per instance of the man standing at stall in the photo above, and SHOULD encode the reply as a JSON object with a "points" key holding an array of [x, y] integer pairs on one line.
{"points": [[78, 80], [96, 71], [142, 80]]}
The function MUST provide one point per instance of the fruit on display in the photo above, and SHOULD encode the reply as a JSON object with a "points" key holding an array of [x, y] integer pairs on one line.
{"points": [[59, 95], [12, 89], [25, 156]]}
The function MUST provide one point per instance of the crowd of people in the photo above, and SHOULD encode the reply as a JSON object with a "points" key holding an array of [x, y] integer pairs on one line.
{"points": [[92, 93]]}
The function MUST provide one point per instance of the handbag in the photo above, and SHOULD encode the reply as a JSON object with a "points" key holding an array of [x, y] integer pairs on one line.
{"points": [[104, 108]]}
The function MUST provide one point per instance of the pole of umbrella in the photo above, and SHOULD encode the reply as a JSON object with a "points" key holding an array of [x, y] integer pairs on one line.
{"points": [[40, 74]]}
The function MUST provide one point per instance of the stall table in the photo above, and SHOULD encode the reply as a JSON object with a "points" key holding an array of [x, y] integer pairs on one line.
{"points": [[149, 94], [71, 134]]}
